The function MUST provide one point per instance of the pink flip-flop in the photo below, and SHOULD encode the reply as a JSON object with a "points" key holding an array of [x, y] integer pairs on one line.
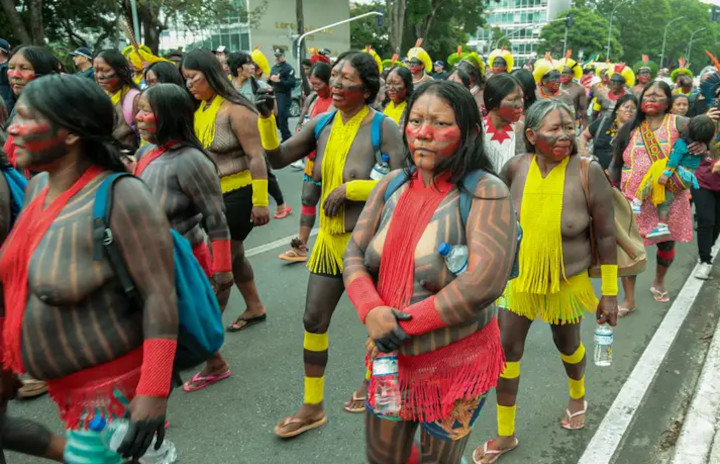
{"points": [[283, 214], [660, 297], [199, 382]]}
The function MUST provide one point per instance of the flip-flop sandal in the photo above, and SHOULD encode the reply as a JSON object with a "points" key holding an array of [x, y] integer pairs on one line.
{"points": [[353, 400], [199, 382], [248, 322], [660, 297], [623, 311], [32, 388], [283, 214], [566, 424], [495, 453], [300, 430], [294, 255]]}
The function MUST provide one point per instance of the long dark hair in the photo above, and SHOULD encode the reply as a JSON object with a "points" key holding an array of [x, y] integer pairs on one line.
{"points": [[322, 71], [470, 155], [527, 81], [621, 101], [367, 69], [79, 105], [174, 111], [167, 73], [406, 77], [472, 71], [41, 59], [622, 140], [497, 87], [120, 65], [206, 63]]}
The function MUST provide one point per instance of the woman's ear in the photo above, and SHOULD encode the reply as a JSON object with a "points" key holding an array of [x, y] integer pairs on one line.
{"points": [[531, 136]]}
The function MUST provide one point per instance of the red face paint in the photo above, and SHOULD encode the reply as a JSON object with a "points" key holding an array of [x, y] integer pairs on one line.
{"points": [[652, 107], [555, 148], [108, 81], [565, 79], [510, 113], [429, 144], [347, 96], [643, 78], [416, 69], [146, 121], [553, 87], [37, 143], [498, 69], [396, 94]]}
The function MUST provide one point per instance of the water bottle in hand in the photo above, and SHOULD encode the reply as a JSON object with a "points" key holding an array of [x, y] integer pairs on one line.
{"points": [[381, 168], [387, 385], [456, 257], [114, 434], [603, 345]]}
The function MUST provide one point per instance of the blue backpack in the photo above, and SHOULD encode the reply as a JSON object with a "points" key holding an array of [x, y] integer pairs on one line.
{"points": [[469, 182], [200, 333], [17, 184], [375, 130]]}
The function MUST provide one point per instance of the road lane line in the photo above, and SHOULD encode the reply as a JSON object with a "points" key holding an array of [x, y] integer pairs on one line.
{"points": [[608, 437], [272, 245]]}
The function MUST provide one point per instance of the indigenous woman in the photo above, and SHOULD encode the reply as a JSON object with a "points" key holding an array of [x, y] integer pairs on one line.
{"points": [[570, 74], [621, 79], [184, 180], [500, 61], [547, 78], [441, 325], [680, 104], [604, 130], [555, 254], [242, 70], [420, 64], [527, 81], [473, 65], [66, 318], [503, 131], [226, 125], [345, 157], [461, 77], [645, 70], [163, 72], [399, 89], [648, 139], [319, 102], [683, 79], [113, 74]]}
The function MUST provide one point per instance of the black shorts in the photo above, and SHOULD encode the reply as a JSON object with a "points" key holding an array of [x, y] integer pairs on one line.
{"points": [[238, 211]]}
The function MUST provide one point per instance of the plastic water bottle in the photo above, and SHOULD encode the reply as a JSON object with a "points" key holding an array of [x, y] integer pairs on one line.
{"points": [[114, 434], [603, 345], [381, 168], [387, 385], [456, 257]]}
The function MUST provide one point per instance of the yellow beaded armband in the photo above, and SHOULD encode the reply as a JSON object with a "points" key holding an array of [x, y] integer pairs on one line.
{"points": [[268, 132], [609, 273], [260, 192], [359, 190]]}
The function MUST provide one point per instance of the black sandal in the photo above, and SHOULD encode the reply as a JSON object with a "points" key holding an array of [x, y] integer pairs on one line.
{"points": [[248, 322]]}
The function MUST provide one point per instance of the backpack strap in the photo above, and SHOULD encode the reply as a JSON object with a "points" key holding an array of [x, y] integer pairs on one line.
{"points": [[103, 238], [397, 182], [376, 131], [128, 106], [324, 121], [467, 193]]}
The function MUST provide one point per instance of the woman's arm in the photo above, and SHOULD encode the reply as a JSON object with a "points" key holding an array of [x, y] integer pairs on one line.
{"points": [[583, 140], [491, 232], [296, 147], [305, 110], [519, 137]]}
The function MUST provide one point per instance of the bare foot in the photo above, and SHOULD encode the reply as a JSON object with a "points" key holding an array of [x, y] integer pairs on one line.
{"points": [[356, 404], [310, 416], [574, 418], [493, 449]]}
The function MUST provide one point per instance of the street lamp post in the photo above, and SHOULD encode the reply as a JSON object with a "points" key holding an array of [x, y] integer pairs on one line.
{"points": [[662, 53], [689, 49], [612, 14], [136, 23]]}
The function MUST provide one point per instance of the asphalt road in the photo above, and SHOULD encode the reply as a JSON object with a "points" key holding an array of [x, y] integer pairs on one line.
{"points": [[232, 422]]}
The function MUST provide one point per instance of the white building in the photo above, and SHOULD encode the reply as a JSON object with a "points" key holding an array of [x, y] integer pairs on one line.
{"points": [[520, 21]]}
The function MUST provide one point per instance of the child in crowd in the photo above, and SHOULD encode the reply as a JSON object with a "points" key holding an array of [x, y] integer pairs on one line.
{"points": [[672, 175]]}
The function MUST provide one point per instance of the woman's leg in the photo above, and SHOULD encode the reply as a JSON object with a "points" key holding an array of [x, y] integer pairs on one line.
{"points": [[274, 188], [716, 222], [572, 351], [31, 438], [436, 451], [389, 442], [665, 257], [706, 206], [628, 284], [298, 246], [245, 281]]}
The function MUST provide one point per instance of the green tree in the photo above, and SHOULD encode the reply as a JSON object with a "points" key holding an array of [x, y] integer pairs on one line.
{"points": [[588, 34], [364, 32]]}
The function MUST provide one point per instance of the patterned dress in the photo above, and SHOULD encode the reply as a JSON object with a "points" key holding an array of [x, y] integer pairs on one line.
{"points": [[636, 163]]}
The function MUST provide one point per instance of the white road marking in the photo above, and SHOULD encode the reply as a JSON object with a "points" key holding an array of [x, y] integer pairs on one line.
{"points": [[607, 439], [276, 244]]}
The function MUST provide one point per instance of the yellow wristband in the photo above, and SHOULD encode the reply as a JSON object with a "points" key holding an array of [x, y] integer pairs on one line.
{"points": [[609, 273], [268, 132], [260, 192], [359, 190]]}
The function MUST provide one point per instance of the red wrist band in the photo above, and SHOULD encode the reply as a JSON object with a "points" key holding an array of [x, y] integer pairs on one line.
{"points": [[222, 256], [425, 318], [308, 210], [364, 296], [157, 366]]}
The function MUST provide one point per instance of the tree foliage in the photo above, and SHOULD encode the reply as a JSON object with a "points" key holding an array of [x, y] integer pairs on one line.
{"points": [[364, 32], [589, 33]]}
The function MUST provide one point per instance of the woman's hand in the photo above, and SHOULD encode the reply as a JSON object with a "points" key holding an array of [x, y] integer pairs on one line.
{"points": [[662, 180], [372, 350], [713, 113], [383, 329], [607, 310], [147, 418], [697, 148], [260, 215], [716, 167], [334, 201], [222, 281], [265, 102]]}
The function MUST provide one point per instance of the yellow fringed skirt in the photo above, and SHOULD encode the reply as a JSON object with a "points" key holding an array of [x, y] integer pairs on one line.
{"points": [[567, 306], [328, 252]]}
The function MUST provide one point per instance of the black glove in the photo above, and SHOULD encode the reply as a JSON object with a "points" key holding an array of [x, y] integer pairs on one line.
{"points": [[395, 339], [265, 102], [147, 418]]}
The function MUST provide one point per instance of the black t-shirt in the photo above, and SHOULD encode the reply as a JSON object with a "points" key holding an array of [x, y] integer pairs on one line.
{"points": [[602, 141]]}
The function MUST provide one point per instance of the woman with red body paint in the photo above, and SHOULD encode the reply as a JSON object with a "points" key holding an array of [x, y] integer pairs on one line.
{"points": [[442, 326], [502, 127]]}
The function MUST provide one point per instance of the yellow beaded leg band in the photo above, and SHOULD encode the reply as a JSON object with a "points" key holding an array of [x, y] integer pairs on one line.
{"points": [[316, 342], [512, 370], [577, 388], [314, 388], [359, 190], [268, 132], [609, 273], [576, 357], [260, 192], [506, 420]]}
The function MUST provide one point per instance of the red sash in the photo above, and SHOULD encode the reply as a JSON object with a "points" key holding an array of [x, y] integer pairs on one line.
{"points": [[149, 157]]}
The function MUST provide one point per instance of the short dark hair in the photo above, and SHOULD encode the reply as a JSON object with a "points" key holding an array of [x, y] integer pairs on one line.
{"points": [[476, 77], [463, 75], [321, 70], [367, 69], [120, 65], [236, 60], [167, 73], [497, 87], [306, 62], [701, 129]]}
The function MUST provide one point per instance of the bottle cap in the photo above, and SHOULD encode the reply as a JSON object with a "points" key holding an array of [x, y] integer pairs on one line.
{"points": [[444, 249], [385, 157], [97, 424]]}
